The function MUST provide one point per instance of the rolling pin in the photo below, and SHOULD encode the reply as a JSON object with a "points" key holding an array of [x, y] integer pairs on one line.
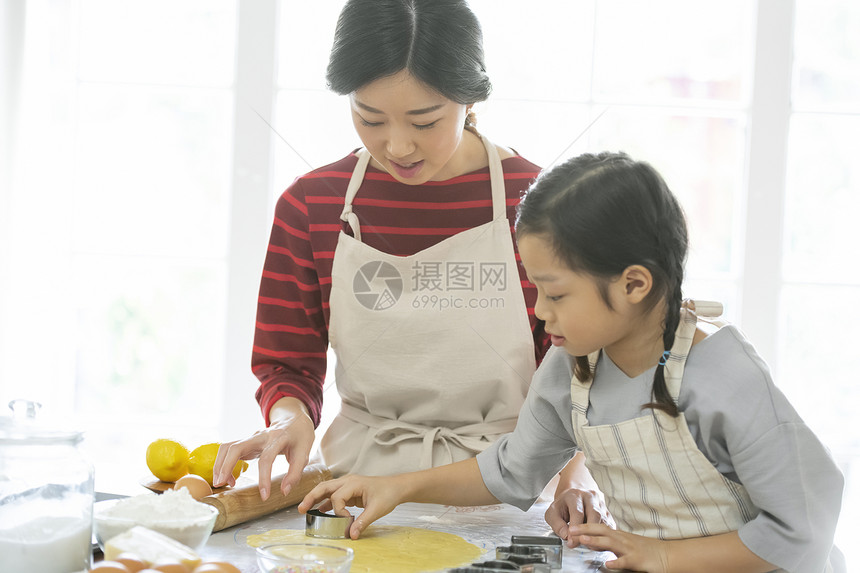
{"points": [[241, 504]]}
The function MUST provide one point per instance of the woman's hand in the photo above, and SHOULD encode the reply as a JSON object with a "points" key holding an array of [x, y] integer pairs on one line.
{"points": [[574, 507], [634, 552], [291, 433], [377, 495]]}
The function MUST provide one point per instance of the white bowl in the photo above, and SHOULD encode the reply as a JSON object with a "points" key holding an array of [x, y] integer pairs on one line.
{"points": [[193, 532], [304, 558]]}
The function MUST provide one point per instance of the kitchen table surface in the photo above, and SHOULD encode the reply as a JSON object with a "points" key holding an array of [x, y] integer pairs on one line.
{"points": [[487, 527]]}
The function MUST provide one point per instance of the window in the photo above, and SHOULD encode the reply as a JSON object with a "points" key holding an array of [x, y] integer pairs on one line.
{"points": [[817, 354], [152, 140], [116, 307]]}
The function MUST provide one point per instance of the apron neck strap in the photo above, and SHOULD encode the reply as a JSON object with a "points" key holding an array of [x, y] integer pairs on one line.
{"points": [[354, 183], [497, 179], [497, 185], [691, 311]]}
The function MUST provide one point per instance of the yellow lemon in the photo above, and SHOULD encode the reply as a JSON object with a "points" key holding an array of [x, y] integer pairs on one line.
{"points": [[167, 459], [202, 460]]}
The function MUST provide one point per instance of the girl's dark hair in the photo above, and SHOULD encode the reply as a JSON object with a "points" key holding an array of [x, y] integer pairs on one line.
{"points": [[603, 213], [438, 41]]}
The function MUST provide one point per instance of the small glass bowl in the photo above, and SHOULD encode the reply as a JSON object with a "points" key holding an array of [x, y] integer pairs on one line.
{"points": [[192, 532], [303, 558]]}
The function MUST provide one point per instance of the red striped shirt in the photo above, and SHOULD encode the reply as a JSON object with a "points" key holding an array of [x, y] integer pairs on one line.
{"points": [[291, 338]]}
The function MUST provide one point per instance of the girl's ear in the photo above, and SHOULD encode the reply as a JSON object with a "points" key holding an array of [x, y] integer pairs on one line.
{"points": [[637, 282]]}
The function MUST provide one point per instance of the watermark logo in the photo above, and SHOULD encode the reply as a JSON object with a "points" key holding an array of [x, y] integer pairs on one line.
{"points": [[434, 285], [458, 276], [377, 285]]}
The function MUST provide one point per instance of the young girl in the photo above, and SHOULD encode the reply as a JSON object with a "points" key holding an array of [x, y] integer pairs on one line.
{"points": [[704, 464]]}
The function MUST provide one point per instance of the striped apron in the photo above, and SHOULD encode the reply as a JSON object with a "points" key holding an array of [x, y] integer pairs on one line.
{"points": [[656, 480]]}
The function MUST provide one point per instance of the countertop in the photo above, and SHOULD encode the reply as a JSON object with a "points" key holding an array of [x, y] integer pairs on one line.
{"points": [[486, 526]]}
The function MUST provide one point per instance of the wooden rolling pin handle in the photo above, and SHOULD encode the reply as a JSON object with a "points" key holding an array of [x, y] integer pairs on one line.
{"points": [[238, 505]]}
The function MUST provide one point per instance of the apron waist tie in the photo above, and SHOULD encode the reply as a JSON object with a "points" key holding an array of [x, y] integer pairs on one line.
{"points": [[387, 432]]}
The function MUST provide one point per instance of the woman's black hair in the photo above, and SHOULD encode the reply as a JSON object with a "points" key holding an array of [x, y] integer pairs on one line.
{"points": [[438, 41], [603, 213]]}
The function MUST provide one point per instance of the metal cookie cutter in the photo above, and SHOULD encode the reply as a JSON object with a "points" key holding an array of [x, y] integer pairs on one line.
{"points": [[327, 525], [502, 566], [551, 545], [525, 555], [487, 567]]}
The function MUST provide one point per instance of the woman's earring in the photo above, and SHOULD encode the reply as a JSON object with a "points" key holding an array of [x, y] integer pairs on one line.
{"points": [[471, 120]]}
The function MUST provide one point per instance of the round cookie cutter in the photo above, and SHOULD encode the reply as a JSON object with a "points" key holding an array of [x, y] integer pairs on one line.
{"points": [[327, 525]]}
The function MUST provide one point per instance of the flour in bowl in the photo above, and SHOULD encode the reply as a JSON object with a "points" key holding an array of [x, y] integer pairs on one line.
{"points": [[172, 505], [174, 513]]}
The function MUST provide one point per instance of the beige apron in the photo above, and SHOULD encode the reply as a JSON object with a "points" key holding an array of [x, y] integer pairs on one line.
{"points": [[434, 351], [656, 480]]}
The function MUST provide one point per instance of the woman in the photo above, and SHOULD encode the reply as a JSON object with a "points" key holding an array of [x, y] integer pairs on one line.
{"points": [[401, 256]]}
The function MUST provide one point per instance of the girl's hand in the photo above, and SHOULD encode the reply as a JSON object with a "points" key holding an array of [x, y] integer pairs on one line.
{"points": [[377, 495], [574, 507], [634, 552], [292, 435]]}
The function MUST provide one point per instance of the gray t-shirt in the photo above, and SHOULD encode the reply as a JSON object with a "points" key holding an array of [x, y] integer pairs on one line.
{"points": [[740, 420]]}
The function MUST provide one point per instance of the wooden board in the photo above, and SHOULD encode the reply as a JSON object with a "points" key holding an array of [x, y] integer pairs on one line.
{"points": [[152, 483]]}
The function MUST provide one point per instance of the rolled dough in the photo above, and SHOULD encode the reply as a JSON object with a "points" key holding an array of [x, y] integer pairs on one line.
{"points": [[389, 548]]}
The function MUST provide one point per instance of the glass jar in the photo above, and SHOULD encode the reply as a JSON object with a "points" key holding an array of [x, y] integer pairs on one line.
{"points": [[46, 496]]}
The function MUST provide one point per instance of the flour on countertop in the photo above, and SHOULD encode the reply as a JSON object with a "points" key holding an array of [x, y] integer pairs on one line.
{"points": [[436, 520]]}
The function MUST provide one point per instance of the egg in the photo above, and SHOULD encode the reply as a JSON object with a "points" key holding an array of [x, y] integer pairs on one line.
{"points": [[131, 561], [196, 485], [216, 567], [109, 567], [170, 566]]}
